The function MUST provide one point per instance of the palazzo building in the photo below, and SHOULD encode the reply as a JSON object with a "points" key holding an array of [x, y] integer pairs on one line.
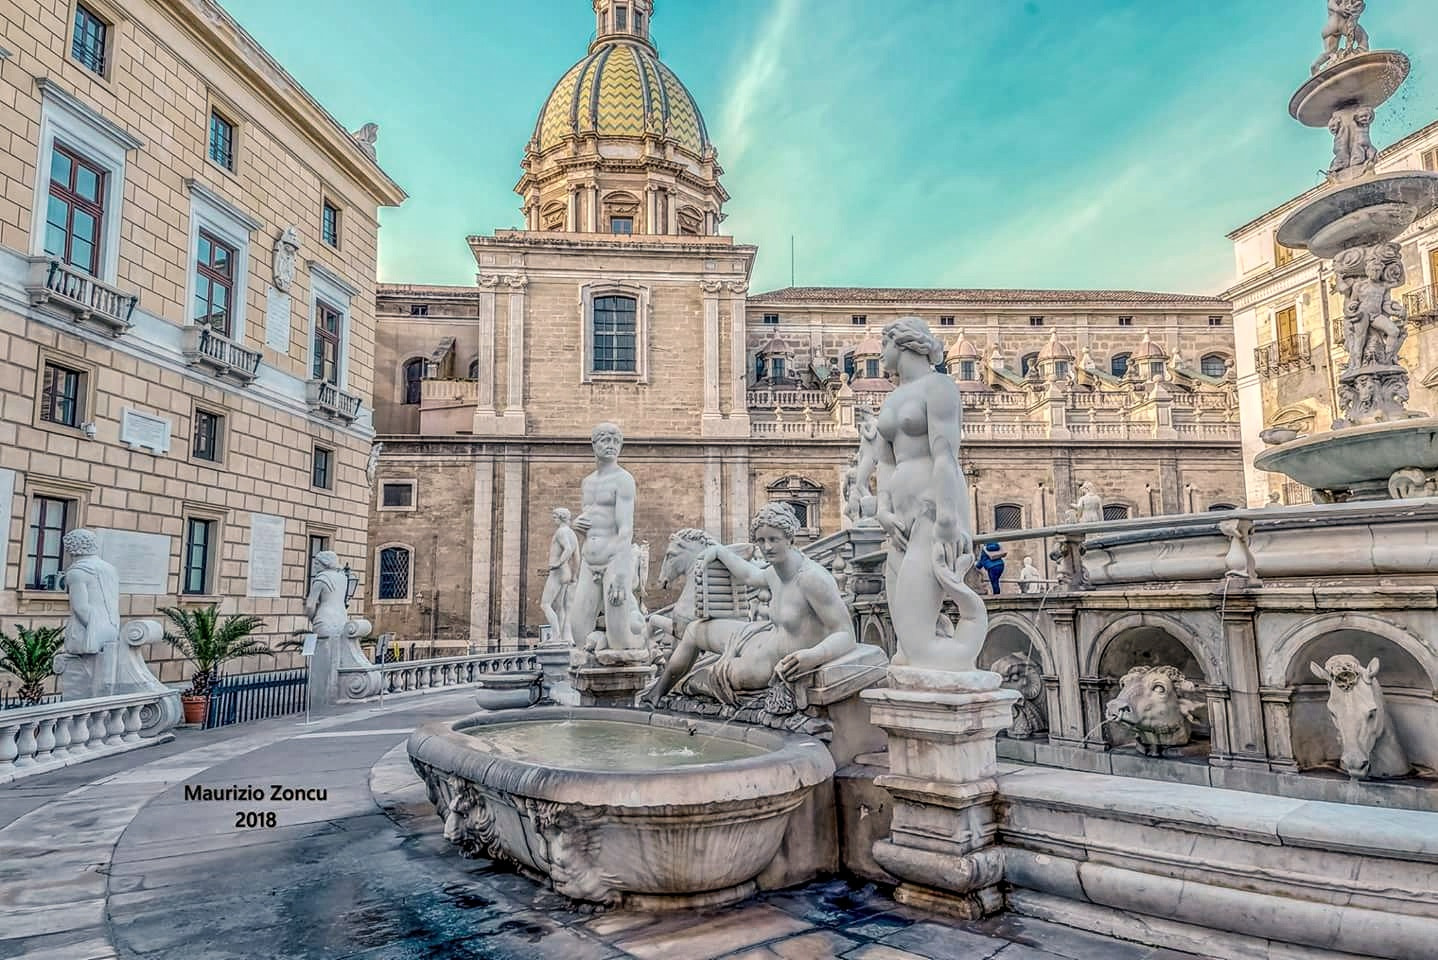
{"points": [[622, 300], [187, 269], [1289, 323]]}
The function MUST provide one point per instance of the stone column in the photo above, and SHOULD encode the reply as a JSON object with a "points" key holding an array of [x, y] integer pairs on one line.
{"points": [[1245, 704], [1220, 752], [672, 226], [514, 418], [572, 214], [1066, 723], [511, 576], [942, 769], [738, 361], [484, 410], [481, 552], [651, 212], [737, 509], [712, 289], [1278, 728], [713, 492], [592, 194], [1092, 689]]}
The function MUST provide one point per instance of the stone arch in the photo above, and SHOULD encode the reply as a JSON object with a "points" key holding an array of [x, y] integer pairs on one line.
{"points": [[1286, 658], [1153, 628], [402, 369], [1011, 633]]}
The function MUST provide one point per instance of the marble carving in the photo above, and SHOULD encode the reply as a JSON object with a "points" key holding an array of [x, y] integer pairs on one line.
{"points": [[1158, 705], [607, 567], [286, 255], [1024, 676], [1371, 748], [1089, 505], [559, 582], [93, 586], [1030, 579], [338, 666], [1343, 35]]}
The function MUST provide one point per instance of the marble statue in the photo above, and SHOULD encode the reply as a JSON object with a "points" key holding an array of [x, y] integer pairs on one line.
{"points": [[677, 567], [860, 502], [286, 255], [923, 507], [1089, 505], [1353, 152], [807, 624], [1070, 515], [1029, 577], [1343, 35], [1022, 674], [338, 666], [93, 586], [367, 136], [606, 560], [554, 600], [1371, 748], [1375, 325], [371, 469], [849, 489], [1159, 705]]}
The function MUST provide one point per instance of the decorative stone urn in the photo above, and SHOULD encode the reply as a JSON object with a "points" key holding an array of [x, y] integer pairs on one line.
{"points": [[509, 691]]}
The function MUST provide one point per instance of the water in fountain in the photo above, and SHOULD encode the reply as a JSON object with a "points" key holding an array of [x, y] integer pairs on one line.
{"points": [[606, 745]]}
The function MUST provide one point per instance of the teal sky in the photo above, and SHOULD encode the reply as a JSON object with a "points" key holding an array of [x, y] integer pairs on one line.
{"points": [[1049, 143]]}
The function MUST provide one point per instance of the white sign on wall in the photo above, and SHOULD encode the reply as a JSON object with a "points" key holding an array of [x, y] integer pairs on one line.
{"points": [[267, 552], [278, 306], [145, 430], [142, 560]]}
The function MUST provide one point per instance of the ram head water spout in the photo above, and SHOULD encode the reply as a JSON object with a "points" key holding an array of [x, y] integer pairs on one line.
{"points": [[1355, 702], [1160, 706]]}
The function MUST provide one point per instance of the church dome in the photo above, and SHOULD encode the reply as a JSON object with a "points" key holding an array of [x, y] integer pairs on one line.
{"points": [[621, 90]]}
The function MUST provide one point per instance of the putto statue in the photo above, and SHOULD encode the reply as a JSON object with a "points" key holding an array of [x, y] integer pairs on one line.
{"points": [[606, 561], [554, 601], [806, 625], [1375, 325], [923, 506], [1353, 152], [1089, 506], [1343, 36]]}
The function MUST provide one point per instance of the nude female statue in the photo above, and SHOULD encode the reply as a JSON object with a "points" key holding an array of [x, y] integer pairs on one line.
{"points": [[924, 508]]}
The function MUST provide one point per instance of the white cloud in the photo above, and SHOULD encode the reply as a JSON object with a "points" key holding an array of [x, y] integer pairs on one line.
{"points": [[757, 81]]}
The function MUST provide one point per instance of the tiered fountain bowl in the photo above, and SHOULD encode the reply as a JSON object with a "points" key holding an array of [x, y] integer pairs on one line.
{"points": [[620, 806]]}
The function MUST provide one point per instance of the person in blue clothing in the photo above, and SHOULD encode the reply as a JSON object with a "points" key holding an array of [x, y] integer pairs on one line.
{"points": [[991, 561]]}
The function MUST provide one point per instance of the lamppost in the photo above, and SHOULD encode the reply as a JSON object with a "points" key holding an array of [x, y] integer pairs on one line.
{"points": [[352, 584]]}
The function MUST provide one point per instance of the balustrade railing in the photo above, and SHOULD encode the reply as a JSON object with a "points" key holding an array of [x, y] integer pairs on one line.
{"points": [[51, 281], [324, 397], [1422, 305], [767, 399], [449, 392], [36, 739], [1281, 356], [204, 346], [411, 675]]}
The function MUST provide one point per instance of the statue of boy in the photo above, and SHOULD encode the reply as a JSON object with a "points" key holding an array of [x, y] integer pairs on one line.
{"points": [[554, 601], [606, 561], [94, 589]]}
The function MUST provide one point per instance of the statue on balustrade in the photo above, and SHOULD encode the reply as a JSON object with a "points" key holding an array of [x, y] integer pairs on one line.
{"points": [[88, 660], [1089, 506], [923, 507], [337, 666]]}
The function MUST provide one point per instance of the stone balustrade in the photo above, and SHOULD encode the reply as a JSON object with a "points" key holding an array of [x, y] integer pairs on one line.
{"points": [[37, 739], [206, 347], [414, 675], [449, 393], [324, 397], [51, 282]]}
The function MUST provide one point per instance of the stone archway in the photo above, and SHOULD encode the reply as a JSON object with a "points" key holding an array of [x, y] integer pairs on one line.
{"points": [[1016, 650], [1144, 639]]}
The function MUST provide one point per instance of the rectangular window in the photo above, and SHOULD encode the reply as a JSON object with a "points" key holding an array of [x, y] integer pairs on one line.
{"points": [[62, 395], [1115, 511], [622, 225], [214, 283], [397, 495], [1285, 325], [330, 224], [946, 321], [209, 429], [199, 551], [222, 141], [1282, 256], [1036, 321], [1215, 321], [75, 210], [319, 542], [871, 369], [394, 573], [328, 321], [1430, 159], [968, 370], [776, 368], [771, 318], [1008, 516], [320, 468], [848, 364], [88, 44], [621, 18], [419, 309], [50, 520], [1125, 321], [615, 334], [859, 319]]}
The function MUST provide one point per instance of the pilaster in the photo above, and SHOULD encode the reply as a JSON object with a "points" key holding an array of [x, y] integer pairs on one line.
{"points": [[481, 552], [713, 491], [737, 509], [712, 290], [484, 408], [511, 576], [512, 422]]}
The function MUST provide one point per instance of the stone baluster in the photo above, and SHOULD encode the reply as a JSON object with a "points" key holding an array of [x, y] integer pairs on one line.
{"points": [[114, 726], [9, 750], [63, 727], [132, 723], [44, 738], [25, 742]]}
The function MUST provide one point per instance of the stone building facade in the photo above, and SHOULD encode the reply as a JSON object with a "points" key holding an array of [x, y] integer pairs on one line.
{"points": [[187, 264], [622, 301], [1288, 324]]}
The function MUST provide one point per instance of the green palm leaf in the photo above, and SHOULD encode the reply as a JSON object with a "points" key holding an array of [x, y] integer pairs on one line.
{"points": [[30, 656], [209, 643]]}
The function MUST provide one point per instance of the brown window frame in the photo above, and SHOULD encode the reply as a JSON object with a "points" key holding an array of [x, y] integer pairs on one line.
{"points": [[68, 194], [327, 475], [327, 338], [50, 396], [215, 439], [207, 271], [35, 547], [221, 150]]}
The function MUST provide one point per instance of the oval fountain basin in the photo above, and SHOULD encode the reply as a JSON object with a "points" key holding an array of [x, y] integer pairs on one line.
{"points": [[618, 806]]}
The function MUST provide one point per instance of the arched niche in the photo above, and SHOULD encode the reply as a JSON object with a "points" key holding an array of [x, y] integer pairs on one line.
{"points": [[1149, 640], [1015, 650], [1010, 634]]}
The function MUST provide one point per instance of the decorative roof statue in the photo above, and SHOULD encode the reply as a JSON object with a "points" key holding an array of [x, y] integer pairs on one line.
{"points": [[367, 136]]}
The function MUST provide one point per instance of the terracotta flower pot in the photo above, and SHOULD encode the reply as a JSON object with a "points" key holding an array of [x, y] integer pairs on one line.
{"points": [[194, 707]]}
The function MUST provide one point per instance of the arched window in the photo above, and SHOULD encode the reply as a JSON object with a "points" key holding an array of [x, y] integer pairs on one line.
{"points": [[1115, 511], [1213, 365], [1221, 506], [474, 369], [614, 334], [1027, 363], [1008, 516], [413, 377], [1118, 364], [394, 573]]}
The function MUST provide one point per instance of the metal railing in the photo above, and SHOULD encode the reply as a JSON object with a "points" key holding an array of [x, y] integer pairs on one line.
{"points": [[257, 696], [8, 702], [1281, 356], [205, 346], [74, 290], [324, 397], [1422, 305]]}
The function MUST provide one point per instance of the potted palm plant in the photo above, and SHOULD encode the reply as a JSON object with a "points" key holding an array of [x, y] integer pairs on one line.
{"points": [[30, 656], [209, 643]]}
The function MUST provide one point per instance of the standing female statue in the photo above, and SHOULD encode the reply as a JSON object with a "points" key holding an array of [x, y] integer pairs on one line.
{"points": [[923, 506]]}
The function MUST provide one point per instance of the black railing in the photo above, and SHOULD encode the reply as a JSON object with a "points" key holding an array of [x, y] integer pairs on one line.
{"points": [[1283, 355], [257, 696], [9, 702], [1422, 305]]}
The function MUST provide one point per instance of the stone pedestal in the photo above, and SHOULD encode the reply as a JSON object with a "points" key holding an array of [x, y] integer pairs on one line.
{"points": [[554, 661], [942, 768], [119, 669], [609, 686], [339, 670]]}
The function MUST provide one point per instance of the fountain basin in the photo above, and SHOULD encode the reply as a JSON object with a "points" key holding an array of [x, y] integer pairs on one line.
{"points": [[620, 807], [509, 691], [1356, 463], [1374, 210]]}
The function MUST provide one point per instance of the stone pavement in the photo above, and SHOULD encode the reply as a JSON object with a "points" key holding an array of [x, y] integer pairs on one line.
{"points": [[110, 860]]}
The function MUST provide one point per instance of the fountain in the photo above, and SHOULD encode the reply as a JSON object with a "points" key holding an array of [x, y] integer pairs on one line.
{"points": [[1378, 449]]}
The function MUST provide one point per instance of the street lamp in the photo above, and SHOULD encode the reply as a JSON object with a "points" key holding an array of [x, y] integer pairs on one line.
{"points": [[352, 580]]}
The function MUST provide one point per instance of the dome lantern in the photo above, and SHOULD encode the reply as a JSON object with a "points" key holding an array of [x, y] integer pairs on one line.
{"points": [[622, 20]]}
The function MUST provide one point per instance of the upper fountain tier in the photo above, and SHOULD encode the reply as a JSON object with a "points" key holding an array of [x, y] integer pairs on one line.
{"points": [[1364, 80]]}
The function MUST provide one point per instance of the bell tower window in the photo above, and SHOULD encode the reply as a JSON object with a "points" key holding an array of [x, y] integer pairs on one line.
{"points": [[621, 19]]}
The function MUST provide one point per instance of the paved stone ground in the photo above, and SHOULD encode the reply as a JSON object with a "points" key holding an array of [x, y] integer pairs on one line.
{"points": [[109, 861]]}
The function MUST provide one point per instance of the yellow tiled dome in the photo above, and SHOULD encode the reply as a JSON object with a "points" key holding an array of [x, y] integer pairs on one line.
{"points": [[621, 90]]}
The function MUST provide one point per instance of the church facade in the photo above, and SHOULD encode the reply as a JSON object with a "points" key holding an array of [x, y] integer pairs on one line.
{"points": [[622, 300]]}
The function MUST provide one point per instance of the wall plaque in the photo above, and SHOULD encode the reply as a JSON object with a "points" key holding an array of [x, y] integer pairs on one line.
{"points": [[142, 560], [278, 306], [267, 553], [145, 430]]}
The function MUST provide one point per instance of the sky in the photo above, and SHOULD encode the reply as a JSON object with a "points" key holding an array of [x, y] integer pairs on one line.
{"points": [[927, 143]]}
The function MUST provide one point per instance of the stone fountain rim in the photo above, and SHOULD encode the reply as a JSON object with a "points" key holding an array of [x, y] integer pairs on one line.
{"points": [[1309, 110], [1369, 435], [1298, 229], [793, 763]]}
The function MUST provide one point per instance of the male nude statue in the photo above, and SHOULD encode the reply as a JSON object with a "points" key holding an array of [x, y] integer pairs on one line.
{"points": [[557, 587], [606, 561]]}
